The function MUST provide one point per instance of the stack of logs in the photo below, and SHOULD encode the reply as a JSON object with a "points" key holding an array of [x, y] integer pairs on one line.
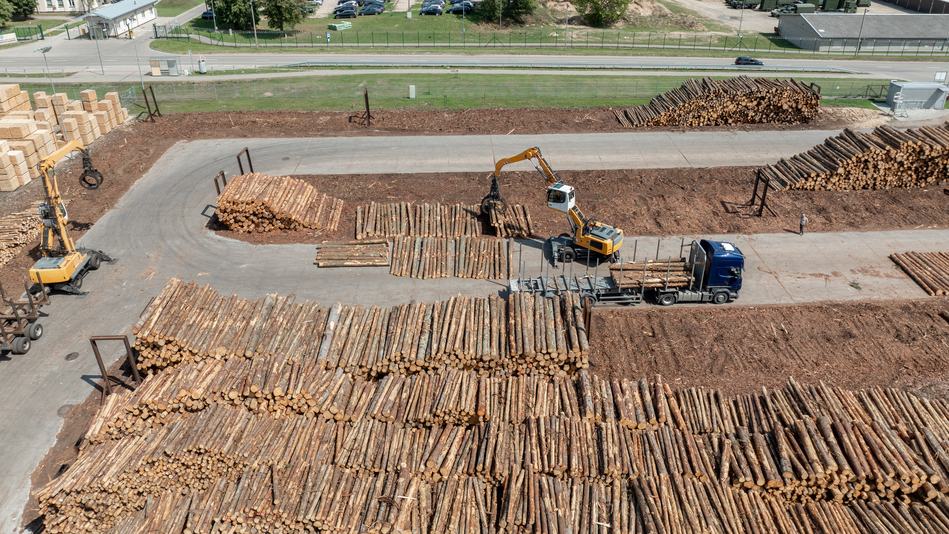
{"points": [[460, 257], [370, 253], [741, 100], [404, 219], [884, 159], [259, 203], [651, 274], [928, 269], [16, 231], [526, 333]]}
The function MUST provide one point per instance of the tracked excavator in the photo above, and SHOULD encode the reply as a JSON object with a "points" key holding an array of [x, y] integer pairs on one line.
{"points": [[63, 265], [588, 239]]}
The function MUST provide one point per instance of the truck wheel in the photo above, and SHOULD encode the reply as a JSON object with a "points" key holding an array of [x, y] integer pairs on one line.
{"points": [[666, 299], [94, 261], [35, 331], [569, 255], [21, 345], [720, 298]]}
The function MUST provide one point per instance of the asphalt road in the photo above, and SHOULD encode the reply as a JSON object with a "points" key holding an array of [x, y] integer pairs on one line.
{"points": [[157, 230]]}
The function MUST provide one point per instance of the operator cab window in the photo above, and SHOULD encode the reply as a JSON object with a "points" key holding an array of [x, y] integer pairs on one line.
{"points": [[556, 197]]}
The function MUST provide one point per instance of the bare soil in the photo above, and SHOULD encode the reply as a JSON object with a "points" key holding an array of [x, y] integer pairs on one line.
{"points": [[641, 202], [739, 349]]}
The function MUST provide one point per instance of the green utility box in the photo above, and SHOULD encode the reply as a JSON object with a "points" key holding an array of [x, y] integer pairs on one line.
{"points": [[340, 26], [805, 8]]}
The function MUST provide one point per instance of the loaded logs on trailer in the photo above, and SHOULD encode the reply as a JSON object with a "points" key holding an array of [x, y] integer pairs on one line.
{"points": [[257, 202], [651, 274], [525, 333], [741, 100], [460, 257], [928, 269], [405, 219], [884, 159], [372, 253]]}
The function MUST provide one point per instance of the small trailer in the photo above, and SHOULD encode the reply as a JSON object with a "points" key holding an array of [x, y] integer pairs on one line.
{"points": [[19, 320], [712, 272]]}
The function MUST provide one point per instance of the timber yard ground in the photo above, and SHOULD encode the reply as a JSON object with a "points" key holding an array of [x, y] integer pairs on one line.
{"points": [[826, 307]]}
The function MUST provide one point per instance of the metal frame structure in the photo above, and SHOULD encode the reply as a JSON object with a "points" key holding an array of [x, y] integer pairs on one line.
{"points": [[129, 358]]}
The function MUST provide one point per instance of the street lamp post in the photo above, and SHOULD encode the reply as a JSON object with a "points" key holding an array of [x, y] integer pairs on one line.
{"points": [[741, 20], [49, 77], [213, 16], [99, 52], [253, 21], [863, 19]]}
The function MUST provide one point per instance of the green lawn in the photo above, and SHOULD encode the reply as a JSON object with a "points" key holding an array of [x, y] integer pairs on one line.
{"points": [[173, 8], [46, 23], [434, 91]]}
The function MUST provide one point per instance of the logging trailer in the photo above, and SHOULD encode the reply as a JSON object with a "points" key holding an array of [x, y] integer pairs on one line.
{"points": [[19, 321], [712, 272]]}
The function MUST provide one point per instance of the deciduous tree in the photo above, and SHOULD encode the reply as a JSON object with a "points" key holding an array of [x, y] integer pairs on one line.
{"points": [[284, 14], [602, 13], [235, 14], [23, 8]]}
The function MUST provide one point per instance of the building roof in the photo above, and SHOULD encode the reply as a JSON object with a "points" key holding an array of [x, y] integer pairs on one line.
{"points": [[120, 9], [878, 26]]}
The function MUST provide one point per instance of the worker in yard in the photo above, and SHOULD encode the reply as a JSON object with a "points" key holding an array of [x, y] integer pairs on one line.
{"points": [[803, 223]]}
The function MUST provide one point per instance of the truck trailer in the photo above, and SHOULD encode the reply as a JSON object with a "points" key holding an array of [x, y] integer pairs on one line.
{"points": [[712, 272]]}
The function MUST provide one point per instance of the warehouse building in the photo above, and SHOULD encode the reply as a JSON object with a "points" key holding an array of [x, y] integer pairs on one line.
{"points": [[939, 7], [848, 32], [116, 20], [65, 6]]}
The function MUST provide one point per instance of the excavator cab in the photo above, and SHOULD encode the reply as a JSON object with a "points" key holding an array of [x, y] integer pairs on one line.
{"points": [[561, 197]]}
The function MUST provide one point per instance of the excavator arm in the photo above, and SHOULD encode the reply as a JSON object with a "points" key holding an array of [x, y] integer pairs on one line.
{"points": [[52, 211], [493, 201]]}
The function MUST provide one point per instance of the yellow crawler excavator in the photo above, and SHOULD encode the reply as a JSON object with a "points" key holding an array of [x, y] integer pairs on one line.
{"points": [[589, 238], [63, 265]]}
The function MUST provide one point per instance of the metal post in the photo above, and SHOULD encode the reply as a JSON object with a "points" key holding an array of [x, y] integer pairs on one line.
{"points": [[860, 33], [138, 63], [253, 20], [213, 16], [49, 76], [741, 19], [99, 53]]}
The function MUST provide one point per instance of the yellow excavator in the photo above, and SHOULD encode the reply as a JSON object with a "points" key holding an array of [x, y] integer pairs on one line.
{"points": [[63, 265], [589, 239]]}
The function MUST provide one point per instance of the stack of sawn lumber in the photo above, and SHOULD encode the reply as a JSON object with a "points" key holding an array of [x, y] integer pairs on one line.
{"points": [[884, 159], [460, 257], [257, 202], [16, 231], [651, 274], [928, 269], [187, 322], [405, 219], [371, 253], [741, 100]]}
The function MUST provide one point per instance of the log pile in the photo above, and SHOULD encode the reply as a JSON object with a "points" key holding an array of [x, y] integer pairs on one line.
{"points": [[16, 231], [404, 219], [373, 253], [741, 100], [884, 159], [651, 274], [928, 269], [483, 258], [259, 203], [187, 323]]}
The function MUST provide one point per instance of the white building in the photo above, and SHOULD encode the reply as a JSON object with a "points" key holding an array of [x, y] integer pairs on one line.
{"points": [[66, 6], [115, 20]]}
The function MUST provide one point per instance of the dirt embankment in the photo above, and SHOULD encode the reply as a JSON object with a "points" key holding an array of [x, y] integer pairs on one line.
{"points": [[641, 202], [738, 349]]}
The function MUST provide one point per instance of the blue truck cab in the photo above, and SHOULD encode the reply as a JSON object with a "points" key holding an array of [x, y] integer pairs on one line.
{"points": [[724, 267]]}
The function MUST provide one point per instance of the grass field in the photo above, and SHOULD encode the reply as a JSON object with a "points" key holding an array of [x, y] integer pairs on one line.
{"points": [[46, 23], [172, 8], [434, 91]]}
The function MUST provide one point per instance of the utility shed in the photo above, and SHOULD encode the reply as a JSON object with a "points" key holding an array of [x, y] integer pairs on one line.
{"points": [[851, 32], [114, 20], [917, 95]]}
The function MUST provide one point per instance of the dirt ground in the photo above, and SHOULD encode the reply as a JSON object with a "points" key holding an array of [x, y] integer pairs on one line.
{"points": [[641, 202], [738, 349]]}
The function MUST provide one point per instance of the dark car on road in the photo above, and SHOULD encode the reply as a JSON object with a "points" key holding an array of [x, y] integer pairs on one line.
{"points": [[461, 8], [371, 9], [207, 15], [745, 60], [431, 9], [348, 13]]}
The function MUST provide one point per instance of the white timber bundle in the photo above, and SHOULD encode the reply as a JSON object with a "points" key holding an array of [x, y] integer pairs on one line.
{"points": [[886, 158], [260, 203], [741, 100]]}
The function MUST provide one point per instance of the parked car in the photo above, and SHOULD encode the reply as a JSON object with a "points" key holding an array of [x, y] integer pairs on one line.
{"points": [[373, 9], [431, 9], [207, 15], [745, 60], [783, 10], [307, 9], [461, 8], [345, 14], [348, 6], [439, 3]]}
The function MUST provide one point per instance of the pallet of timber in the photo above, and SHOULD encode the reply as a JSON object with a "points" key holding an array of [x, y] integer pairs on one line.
{"points": [[260, 203], [651, 274], [886, 158], [371, 253], [928, 269], [459, 257], [741, 100]]}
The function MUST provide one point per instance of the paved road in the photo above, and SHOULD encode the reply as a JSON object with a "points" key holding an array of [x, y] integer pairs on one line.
{"points": [[157, 231]]}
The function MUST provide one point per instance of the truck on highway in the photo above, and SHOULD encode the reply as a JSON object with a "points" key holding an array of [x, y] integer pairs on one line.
{"points": [[712, 272]]}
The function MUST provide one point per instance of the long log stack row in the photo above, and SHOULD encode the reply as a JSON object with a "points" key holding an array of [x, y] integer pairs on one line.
{"points": [[886, 158], [741, 100], [405, 219], [187, 322], [16, 231], [651, 274], [371, 253], [257, 202], [483, 258], [928, 269]]}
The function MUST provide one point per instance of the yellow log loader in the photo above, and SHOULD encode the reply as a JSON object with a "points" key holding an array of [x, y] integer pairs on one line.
{"points": [[589, 238], [63, 265]]}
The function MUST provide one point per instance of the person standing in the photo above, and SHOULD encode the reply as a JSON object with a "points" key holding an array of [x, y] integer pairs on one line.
{"points": [[803, 223]]}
